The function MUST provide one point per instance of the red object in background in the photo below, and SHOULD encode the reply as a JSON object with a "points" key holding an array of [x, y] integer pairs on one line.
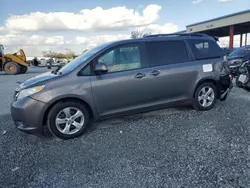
{"points": [[231, 37]]}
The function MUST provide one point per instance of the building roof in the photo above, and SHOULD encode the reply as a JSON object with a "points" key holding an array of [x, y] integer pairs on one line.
{"points": [[180, 32], [219, 18]]}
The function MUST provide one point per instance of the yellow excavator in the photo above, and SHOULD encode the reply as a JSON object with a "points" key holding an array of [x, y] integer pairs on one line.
{"points": [[13, 63]]}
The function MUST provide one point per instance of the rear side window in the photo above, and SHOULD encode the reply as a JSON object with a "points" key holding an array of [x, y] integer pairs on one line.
{"points": [[166, 52], [205, 49]]}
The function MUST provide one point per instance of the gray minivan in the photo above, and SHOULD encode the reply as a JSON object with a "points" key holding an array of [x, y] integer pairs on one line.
{"points": [[121, 78]]}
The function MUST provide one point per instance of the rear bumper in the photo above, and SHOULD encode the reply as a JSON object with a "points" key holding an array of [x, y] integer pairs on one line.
{"points": [[234, 70], [225, 86], [27, 115]]}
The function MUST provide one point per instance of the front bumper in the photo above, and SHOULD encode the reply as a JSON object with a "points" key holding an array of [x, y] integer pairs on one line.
{"points": [[28, 114]]}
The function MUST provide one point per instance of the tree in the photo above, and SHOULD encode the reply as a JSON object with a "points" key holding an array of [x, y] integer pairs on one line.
{"points": [[84, 51], [139, 34], [48, 54], [69, 54]]}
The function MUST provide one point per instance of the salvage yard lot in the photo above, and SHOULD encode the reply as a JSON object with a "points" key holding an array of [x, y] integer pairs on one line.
{"points": [[176, 147]]}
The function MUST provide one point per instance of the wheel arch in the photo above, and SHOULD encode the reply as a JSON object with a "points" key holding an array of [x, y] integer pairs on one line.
{"points": [[64, 99], [208, 80]]}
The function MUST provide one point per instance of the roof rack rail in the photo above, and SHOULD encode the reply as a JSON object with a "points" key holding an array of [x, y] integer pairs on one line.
{"points": [[176, 34]]}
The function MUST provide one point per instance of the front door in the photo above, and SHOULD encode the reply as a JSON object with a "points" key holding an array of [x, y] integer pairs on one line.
{"points": [[119, 89]]}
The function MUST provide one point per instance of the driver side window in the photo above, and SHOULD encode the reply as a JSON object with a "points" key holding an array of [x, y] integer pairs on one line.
{"points": [[107, 58], [122, 59]]}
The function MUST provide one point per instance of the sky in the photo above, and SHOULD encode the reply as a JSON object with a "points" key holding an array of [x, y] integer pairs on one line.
{"points": [[58, 25]]}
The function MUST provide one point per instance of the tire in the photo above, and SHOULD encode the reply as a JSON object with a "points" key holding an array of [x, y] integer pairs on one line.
{"points": [[199, 98], [65, 128], [23, 69], [12, 68]]}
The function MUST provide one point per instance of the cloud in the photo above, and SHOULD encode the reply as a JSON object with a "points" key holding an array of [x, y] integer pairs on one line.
{"points": [[96, 19], [33, 45], [155, 28], [33, 40], [93, 41], [197, 1], [224, 1], [100, 39], [2, 29], [36, 40], [221, 1]]}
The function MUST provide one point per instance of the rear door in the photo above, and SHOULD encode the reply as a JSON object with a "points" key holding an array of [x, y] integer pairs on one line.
{"points": [[170, 74]]}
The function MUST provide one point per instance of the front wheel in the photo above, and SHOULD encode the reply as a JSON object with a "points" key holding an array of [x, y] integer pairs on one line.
{"points": [[11, 68], [205, 97], [68, 119]]}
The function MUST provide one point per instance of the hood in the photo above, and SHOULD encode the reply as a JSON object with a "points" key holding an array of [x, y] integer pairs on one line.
{"points": [[39, 79], [234, 57], [241, 58]]}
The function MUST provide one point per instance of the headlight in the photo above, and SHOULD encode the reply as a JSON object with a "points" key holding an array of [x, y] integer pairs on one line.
{"points": [[29, 91], [235, 61], [234, 66]]}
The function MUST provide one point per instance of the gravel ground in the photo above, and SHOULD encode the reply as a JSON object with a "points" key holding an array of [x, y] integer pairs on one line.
{"points": [[177, 147]]}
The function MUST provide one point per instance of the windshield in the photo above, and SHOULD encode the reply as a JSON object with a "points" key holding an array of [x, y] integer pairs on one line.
{"points": [[80, 59], [240, 52]]}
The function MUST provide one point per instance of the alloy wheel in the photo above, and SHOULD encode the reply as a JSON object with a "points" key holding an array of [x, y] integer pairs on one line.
{"points": [[69, 120], [206, 96]]}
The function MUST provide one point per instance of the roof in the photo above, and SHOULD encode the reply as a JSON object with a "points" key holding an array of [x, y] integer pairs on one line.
{"points": [[160, 37], [219, 18]]}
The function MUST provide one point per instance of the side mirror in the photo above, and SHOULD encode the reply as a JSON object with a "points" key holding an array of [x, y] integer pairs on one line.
{"points": [[101, 68]]}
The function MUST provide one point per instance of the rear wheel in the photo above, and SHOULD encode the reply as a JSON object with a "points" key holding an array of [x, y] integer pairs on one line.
{"points": [[205, 97], [68, 119], [12, 68], [23, 69]]}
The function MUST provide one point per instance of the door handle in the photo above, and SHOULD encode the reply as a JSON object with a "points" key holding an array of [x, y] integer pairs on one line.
{"points": [[155, 73], [140, 75]]}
